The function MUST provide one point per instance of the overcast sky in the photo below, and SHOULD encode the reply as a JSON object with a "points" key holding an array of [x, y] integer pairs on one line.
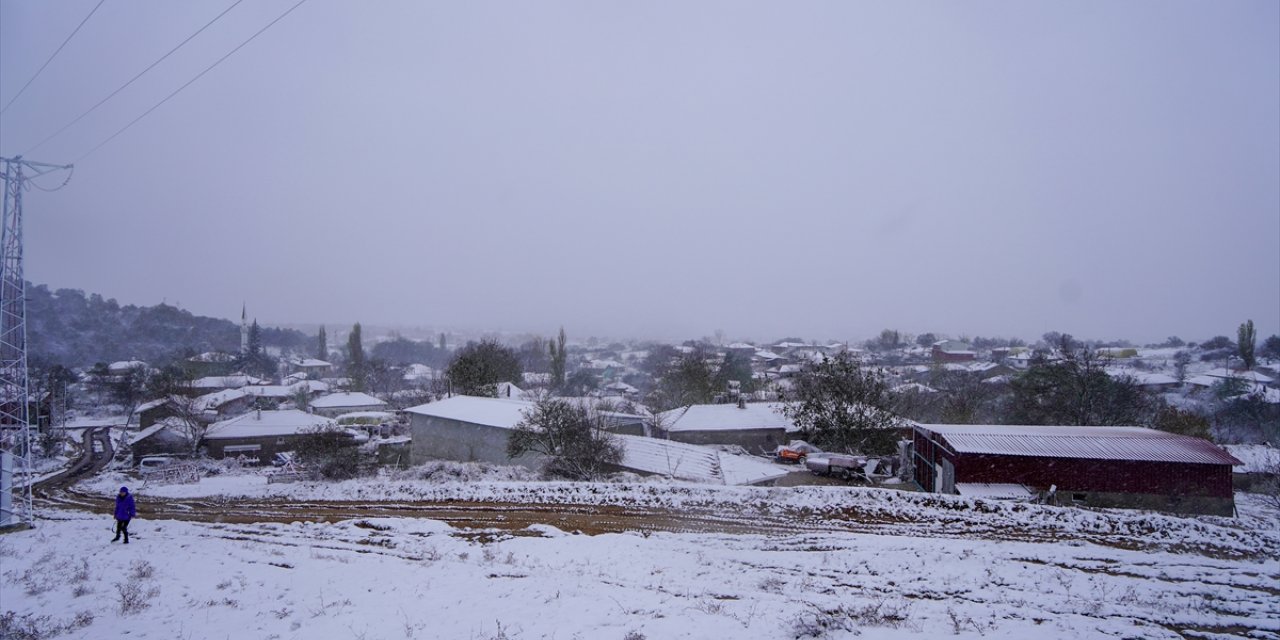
{"points": [[666, 169]]}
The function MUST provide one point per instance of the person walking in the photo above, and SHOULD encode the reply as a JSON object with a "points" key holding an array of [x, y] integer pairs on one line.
{"points": [[125, 510]]}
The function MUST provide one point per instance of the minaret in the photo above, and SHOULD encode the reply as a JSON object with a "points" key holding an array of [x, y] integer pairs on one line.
{"points": [[244, 329]]}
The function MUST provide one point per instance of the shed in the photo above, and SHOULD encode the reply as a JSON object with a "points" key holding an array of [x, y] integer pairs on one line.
{"points": [[1128, 467]]}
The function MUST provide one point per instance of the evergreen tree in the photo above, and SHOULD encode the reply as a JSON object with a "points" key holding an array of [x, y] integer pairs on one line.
{"points": [[255, 339], [480, 366], [841, 406], [1246, 339], [355, 359], [558, 359], [322, 348]]}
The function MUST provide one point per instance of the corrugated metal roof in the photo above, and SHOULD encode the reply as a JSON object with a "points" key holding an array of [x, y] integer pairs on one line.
{"points": [[1095, 443]]}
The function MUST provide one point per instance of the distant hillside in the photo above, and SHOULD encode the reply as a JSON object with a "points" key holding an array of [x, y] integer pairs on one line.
{"points": [[73, 329]]}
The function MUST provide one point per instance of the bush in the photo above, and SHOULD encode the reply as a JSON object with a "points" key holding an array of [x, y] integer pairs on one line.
{"points": [[329, 451]]}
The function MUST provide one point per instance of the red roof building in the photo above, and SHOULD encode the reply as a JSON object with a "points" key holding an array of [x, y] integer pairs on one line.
{"points": [[1095, 466]]}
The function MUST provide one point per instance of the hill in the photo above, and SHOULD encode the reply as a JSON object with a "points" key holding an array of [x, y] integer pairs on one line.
{"points": [[70, 328]]}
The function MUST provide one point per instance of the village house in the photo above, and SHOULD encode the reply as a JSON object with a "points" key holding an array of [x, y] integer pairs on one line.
{"points": [[166, 437], [336, 404], [757, 427], [1095, 466], [259, 435], [314, 368], [953, 351]]}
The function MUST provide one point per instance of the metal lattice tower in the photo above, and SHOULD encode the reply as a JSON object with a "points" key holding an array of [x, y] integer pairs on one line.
{"points": [[15, 421]]}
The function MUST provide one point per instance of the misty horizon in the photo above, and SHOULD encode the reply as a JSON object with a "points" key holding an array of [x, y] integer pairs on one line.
{"points": [[826, 170]]}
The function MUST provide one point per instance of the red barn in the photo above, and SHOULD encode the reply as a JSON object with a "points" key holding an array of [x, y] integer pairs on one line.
{"points": [[1096, 466]]}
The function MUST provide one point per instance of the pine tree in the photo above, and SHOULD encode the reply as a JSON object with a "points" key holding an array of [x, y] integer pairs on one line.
{"points": [[355, 359], [558, 358], [322, 349], [1246, 339], [255, 339]]}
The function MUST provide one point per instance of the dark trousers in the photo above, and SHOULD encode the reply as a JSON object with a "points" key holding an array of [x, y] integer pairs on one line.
{"points": [[122, 527]]}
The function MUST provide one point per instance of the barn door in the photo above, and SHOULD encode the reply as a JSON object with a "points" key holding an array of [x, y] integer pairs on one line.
{"points": [[944, 480]]}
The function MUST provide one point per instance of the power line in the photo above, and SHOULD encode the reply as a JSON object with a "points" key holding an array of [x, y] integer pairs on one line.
{"points": [[55, 54], [133, 79], [191, 81]]}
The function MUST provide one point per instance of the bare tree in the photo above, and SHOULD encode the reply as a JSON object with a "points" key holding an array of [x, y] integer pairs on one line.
{"points": [[570, 435]]}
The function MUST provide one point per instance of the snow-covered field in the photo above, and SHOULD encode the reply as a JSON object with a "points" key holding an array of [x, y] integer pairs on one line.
{"points": [[948, 568]]}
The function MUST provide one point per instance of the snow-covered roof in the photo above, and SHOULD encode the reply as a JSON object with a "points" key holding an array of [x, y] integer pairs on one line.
{"points": [[346, 399], [233, 381], [418, 372], [914, 386], [89, 422], [174, 425], [765, 354], [217, 399], [309, 362], [741, 345], [492, 412], [694, 462], [1094, 443], [383, 416], [1265, 394], [151, 404], [125, 365], [727, 417], [257, 424], [271, 390], [509, 390], [504, 413], [1252, 376], [212, 356]]}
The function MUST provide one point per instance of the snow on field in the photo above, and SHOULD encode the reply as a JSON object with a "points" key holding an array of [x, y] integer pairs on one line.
{"points": [[873, 563], [412, 578], [1255, 532]]}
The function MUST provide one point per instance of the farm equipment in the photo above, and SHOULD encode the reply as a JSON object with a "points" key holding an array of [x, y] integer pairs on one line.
{"points": [[795, 452]]}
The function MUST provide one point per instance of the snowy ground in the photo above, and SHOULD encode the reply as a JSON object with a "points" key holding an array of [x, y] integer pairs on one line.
{"points": [[946, 568]]}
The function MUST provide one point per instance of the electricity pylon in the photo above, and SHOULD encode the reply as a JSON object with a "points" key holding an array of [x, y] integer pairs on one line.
{"points": [[15, 421]]}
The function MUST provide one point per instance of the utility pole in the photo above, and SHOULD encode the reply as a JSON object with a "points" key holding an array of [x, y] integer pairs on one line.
{"points": [[16, 440]]}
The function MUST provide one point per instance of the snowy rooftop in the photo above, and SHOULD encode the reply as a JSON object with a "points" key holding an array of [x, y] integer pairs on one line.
{"points": [[504, 413], [309, 362], [1243, 375], [217, 399], [491, 412], [694, 462], [1095, 443], [346, 399], [256, 424], [233, 381], [725, 417]]}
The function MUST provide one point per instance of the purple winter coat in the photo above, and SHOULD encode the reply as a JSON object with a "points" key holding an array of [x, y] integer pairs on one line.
{"points": [[125, 509]]}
